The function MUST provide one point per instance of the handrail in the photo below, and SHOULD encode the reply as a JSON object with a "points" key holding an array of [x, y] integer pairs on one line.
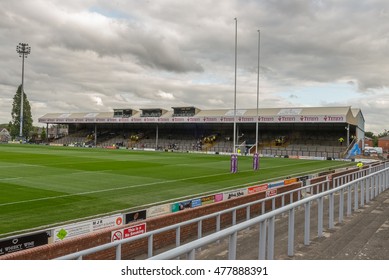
{"points": [[190, 247]]}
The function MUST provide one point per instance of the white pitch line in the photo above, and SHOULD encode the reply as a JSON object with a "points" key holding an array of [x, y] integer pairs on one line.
{"points": [[10, 179], [85, 172], [19, 164]]}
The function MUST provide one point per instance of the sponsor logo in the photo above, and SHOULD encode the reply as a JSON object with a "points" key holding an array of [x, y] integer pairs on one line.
{"points": [[309, 119], [286, 119]]}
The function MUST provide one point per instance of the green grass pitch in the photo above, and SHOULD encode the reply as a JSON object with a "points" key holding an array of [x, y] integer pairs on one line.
{"points": [[42, 186]]}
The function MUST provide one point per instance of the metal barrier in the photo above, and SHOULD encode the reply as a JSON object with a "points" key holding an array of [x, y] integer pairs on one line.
{"points": [[359, 191], [323, 186]]}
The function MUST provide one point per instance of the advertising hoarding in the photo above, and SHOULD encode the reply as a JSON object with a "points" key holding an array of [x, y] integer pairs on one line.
{"points": [[128, 232], [77, 229], [21, 243]]}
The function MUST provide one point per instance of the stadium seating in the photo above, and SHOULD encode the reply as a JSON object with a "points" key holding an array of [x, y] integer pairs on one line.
{"points": [[186, 137]]}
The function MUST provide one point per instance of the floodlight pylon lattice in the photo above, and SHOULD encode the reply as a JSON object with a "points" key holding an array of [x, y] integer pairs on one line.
{"points": [[23, 50]]}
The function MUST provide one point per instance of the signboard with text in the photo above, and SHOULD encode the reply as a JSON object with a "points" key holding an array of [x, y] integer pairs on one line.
{"points": [[271, 192], [202, 119], [77, 229], [255, 189], [234, 194], [128, 232], [24, 242]]}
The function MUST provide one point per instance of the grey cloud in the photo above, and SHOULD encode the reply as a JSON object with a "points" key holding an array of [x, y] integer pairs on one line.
{"points": [[128, 52]]}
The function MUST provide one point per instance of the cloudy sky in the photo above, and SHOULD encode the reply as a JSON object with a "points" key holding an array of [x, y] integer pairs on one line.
{"points": [[97, 55]]}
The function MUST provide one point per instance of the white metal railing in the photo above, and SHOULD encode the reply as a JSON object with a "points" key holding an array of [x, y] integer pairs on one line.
{"points": [[320, 187], [363, 188]]}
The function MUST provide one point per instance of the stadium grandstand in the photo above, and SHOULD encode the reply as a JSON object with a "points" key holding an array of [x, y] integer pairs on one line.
{"points": [[305, 131]]}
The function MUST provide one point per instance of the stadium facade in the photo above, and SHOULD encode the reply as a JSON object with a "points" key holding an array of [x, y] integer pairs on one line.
{"points": [[160, 128]]}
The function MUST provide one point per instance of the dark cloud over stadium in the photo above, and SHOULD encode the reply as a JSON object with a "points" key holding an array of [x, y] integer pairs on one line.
{"points": [[93, 56]]}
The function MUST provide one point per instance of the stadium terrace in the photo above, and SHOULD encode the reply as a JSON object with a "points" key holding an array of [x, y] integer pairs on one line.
{"points": [[187, 128]]}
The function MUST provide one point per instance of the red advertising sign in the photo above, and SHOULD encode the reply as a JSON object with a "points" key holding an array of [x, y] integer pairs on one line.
{"points": [[128, 232], [256, 189], [135, 230]]}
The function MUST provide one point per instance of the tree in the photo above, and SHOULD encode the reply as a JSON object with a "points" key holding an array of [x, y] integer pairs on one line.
{"points": [[369, 134], [34, 135], [383, 134], [27, 118]]}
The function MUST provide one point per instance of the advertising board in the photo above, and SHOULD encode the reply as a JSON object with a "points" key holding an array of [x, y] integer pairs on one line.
{"points": [[128, 232], [158, 210], [234, 194], [135, 216], [255, 189], [21, 243], [270, 193], [290, 181], [77, 229]]}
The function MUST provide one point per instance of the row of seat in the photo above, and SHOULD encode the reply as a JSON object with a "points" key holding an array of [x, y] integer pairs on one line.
{"points": [[220, 145]]}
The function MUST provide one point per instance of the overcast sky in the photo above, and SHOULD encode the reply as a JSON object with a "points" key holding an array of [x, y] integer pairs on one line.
{"points": [[94, 56]]}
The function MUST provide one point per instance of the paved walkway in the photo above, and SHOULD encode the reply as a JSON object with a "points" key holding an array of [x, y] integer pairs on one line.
{"points": [[363, 236]]}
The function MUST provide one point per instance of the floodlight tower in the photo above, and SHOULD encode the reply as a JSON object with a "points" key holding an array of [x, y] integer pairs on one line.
{"points": [[23, 50]]}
